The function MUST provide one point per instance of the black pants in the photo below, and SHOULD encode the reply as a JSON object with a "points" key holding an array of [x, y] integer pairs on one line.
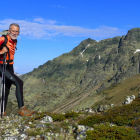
{"points": [[11, 78]]}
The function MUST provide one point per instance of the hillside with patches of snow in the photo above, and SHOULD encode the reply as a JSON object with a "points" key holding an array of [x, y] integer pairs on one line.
{"points": [[75, 80]]}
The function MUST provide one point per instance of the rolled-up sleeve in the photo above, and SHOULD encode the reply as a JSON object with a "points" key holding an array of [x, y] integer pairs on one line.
{"points": [[1, 41]]}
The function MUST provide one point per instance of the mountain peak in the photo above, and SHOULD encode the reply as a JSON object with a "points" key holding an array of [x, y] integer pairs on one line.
{"points": [[133, 35], [75, 79]]}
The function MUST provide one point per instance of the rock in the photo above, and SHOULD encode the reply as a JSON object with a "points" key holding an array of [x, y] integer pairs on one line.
{"points": [[106, 107], [132, 97], [81, 137], [11, 138], [23, 136], [89, 110], [70, 130], [129, 99], [81, 127], [38, 136], [47, 119], [30, 122], [33, 138], [112, 105], [81, 132], [111, 124], [26, 127], [100, 108]]}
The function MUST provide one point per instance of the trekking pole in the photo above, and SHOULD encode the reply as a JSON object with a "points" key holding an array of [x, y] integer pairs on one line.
{"points": [[1, 103], [4, 82], [3, 86]]}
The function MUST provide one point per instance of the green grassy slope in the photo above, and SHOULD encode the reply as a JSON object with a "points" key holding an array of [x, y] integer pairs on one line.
{"points": [[77, 79]]}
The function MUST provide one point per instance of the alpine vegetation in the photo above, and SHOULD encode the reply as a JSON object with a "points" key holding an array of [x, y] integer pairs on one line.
{"points": [[78, 79]]}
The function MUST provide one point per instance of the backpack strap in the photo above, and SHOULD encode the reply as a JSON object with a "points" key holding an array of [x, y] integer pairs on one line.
{"points": [[16, 43], [4, 45]]}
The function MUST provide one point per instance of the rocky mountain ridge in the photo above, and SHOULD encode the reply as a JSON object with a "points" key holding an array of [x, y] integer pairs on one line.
{"points": [[76, 79]]}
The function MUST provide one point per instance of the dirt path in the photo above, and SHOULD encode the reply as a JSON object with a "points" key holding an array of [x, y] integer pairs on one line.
{"points": [[71, 103]]}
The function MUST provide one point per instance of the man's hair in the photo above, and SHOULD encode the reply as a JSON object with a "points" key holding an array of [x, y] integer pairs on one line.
{"points": [[15, 24]]}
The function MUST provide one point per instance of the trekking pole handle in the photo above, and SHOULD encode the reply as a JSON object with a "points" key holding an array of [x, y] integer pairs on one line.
{"points": [[4, 57]]}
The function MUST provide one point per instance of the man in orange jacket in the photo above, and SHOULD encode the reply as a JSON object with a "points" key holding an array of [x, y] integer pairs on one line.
{"points": [[10, 78]]}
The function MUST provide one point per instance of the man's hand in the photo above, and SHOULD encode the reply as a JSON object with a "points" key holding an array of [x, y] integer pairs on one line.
{"points": [[4, 50]]}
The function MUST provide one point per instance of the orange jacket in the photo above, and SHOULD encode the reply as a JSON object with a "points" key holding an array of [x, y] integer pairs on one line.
{"points": [[11, 45]]}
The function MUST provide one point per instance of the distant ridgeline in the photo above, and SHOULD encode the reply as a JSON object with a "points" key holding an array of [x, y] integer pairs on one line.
{"points": [[76, 79]]}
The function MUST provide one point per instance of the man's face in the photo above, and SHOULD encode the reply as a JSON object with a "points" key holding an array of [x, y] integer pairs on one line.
{"points": [[14, 32]]}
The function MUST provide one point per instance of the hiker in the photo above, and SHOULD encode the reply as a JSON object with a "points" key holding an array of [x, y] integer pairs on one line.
{"points": [[10, 78]]}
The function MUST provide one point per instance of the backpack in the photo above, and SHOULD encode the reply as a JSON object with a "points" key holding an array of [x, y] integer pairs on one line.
{"points": [[4, 32]]}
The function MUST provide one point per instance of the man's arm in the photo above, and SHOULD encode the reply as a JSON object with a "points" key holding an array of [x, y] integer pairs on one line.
{"points": [[4, 50]]}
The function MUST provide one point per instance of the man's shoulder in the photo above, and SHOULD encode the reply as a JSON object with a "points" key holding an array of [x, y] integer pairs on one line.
{"points": [[2, 38]]}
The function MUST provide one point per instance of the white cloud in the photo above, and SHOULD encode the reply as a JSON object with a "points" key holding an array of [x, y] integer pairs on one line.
{"points": [[130, 26], [41, 28], [41, 20], [57, 6]]}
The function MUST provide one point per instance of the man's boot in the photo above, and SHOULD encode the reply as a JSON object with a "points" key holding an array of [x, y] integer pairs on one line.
{"points": [[24, 112]]}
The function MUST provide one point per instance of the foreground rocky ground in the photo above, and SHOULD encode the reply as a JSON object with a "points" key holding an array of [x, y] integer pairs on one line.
{"points": [[114, 123], [41, 127]]}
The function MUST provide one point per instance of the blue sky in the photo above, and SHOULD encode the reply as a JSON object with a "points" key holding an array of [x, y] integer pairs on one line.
{"points": [[50, 28]]}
